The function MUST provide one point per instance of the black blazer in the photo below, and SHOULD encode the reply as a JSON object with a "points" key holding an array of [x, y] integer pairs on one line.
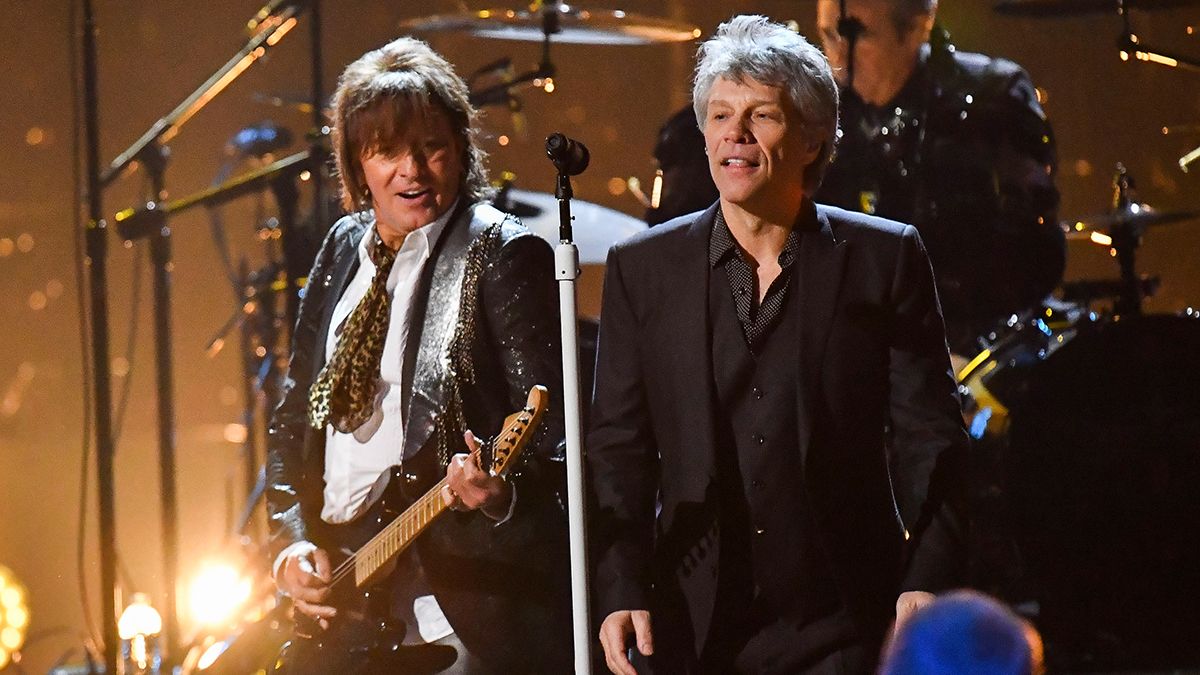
{"points": [[880, 436], [497, 584]]}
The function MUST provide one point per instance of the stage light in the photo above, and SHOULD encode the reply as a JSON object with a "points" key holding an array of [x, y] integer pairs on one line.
{"points": [[218, 592], [138, 629], [14, 616]]}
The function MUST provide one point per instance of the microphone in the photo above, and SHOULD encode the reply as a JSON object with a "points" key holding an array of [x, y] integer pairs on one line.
{"points": [[570, 156], [259, 139]]}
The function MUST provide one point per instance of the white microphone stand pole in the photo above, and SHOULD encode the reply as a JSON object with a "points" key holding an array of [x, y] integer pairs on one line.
{"points": [[566, 264]]}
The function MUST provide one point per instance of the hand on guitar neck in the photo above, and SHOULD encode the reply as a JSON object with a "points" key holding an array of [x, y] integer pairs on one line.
{"points": [[469, 487]]}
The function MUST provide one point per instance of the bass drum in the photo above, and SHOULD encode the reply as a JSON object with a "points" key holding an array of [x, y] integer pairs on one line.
{"points": [[1103, 493]]}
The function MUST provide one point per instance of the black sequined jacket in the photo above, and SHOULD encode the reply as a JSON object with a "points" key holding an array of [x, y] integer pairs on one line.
{"points": [[490, 340]]}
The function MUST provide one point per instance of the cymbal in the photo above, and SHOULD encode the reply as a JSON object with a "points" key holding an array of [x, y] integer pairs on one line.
{"points": [[595, 228], [574, 25], [1062, 8], [1137, 216]]}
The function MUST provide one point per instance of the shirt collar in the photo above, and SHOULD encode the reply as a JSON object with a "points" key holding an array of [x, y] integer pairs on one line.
{"points": [[721, 243], [422, 239]]}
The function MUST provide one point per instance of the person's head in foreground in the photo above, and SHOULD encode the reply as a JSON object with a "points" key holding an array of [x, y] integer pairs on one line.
{"points": [[964, 632]]}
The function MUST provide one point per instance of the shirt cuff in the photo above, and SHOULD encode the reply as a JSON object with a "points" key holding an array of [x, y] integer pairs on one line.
{"points": [[512, 507], [296, 550]]}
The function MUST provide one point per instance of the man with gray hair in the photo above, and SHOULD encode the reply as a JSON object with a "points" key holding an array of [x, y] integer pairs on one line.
{"points": [[775, 449]]}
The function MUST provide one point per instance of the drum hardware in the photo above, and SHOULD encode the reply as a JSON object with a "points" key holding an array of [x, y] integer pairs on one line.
{"points": [[267, 28], [138, 222], [1121, 231], [1040, 9], [1129, 44], [1133, 214], [597, 228], [296, 103], [1023, 340], [546, 23], [559, 22], [1087, 291], [1100, 465]]}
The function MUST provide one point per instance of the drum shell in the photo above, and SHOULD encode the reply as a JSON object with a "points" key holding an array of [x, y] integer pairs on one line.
{"points": [[1103, 490]]}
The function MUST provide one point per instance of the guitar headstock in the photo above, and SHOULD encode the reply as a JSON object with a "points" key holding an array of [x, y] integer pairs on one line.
{"points": [[518, 429]]}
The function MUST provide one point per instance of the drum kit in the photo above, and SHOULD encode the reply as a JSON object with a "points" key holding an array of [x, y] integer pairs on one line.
{"points": [[1084, 417]]}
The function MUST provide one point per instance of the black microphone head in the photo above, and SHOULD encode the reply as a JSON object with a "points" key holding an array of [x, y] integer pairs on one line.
{"points": [[570, 156]]}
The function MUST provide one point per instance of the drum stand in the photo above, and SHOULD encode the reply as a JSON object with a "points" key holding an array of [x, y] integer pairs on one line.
{"points": [[1126, 237], [1129, 45]]}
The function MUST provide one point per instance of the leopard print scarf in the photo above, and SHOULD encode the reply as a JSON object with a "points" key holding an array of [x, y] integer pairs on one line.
{"points": [[344, 392]]}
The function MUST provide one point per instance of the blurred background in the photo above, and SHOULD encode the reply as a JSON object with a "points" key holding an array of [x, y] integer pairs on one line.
{"points": [[614, 98]]}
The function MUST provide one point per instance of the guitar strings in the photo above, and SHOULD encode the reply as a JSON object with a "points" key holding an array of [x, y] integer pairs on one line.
{"points": [[348, 565]]}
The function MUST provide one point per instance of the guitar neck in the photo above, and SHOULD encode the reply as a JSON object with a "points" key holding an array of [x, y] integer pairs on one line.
{"points": [[398, 534], [375, 555]]}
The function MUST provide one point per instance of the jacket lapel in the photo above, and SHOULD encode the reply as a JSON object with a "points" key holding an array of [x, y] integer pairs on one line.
{"points": [[692, 346], [690, 518], [432, 327], [345, 265], [822, 260]]}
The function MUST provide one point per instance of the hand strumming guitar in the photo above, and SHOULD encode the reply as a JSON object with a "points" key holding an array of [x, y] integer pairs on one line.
{"points": [[305, 577], [469, 487]]}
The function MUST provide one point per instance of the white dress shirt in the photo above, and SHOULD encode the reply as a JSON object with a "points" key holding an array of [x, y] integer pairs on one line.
{"points": [[354, 461]]}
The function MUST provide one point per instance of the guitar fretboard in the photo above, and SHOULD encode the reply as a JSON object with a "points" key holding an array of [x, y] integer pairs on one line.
{"points": [[398, 534]]}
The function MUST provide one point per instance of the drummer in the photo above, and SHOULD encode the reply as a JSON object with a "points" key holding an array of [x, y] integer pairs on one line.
{"points": [[954, 142]]}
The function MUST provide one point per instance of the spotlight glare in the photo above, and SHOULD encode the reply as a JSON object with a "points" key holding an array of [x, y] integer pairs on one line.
{"points": [[217, 593], [10, 638]]}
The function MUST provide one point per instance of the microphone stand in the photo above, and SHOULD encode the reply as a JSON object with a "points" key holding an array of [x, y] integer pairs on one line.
{"points": [[97, 264], [270, 24], [849, 28], [566, 271]]}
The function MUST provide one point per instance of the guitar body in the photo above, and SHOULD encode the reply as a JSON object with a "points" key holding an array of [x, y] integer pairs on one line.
{"points": [[365, 638]]}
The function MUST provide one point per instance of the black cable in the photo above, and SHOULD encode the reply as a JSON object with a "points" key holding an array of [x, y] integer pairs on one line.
{"points": [[216, 229], [130, 348], [84, 318]]}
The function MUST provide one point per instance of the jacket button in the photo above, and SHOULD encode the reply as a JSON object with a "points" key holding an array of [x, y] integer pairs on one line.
{"points": [[759, 439], [760, 531], [758, 393]]}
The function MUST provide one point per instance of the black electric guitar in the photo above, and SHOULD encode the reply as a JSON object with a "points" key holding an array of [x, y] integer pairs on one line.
{"points": [[364, 637]]}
